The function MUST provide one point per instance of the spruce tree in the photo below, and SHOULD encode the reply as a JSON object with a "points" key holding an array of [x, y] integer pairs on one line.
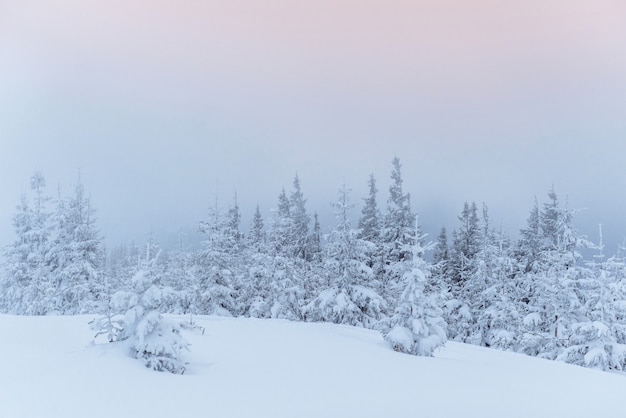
{"points": [[397, 236], [26, 287], [300, 219], [214, 266], [76, 255], [350, 297], [417, 325], [369, 223]]}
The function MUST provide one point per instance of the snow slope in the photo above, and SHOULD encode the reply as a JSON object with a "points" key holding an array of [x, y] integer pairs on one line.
{"points": [[268, 368]]}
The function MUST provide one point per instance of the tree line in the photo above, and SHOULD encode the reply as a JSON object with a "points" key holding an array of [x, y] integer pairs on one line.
{"points": [[535, 295]]}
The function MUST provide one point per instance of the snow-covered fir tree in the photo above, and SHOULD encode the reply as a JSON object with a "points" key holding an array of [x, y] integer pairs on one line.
{"points": [[554, 301], [215, 264], [369, 222], [134, 317], [596, 338], [76, 256], [26, 288], [441, 261], [462, 268], [397, 236], [300, 220], [350, 297], [286, 290], [417, 325]]}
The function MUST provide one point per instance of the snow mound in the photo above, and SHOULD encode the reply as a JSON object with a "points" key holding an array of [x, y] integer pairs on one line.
{"points": [[275, 368]]}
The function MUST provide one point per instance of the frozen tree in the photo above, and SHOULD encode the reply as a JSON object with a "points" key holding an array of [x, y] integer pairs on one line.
{"points": [[529, 246], [255, 295], [300, 219], [315, 241], [596, 340], [280, 242], [417, 325], [26, 288], [466, 244], [496, 307], [441, 260], [369, 232], [351, 297], [286, 290], [257, 236], [76, 255], [232, 233], [215, 265], [134, 316], [553, 296], [397, 236], [369, 223]]}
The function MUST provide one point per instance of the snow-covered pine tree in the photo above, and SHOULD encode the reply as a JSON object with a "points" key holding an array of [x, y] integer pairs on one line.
{"points": [[301, 219], [76, 255], [134, 317], [596, 339], [315, 241], [397, 236], [369, 223], [528, 250], [496, 307], [441, 260], [554, 301], [26, 286], [256, 235], [465, 247], [351, 297], [286, 290], [255, 294], [215, 264], [417, 325], [370, 229]]}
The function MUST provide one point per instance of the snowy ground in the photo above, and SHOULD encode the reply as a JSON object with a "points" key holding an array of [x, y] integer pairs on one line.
{"points": [[267, 368]]}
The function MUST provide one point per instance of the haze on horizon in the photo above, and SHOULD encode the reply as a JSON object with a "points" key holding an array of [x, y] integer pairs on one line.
{"points": [[160, 105]]}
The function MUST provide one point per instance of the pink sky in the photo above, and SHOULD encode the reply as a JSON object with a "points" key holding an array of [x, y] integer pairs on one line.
{"points": [[286, 84]]}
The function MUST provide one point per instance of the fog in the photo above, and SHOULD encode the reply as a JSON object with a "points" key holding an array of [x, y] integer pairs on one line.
{"points": [[161, 107]]}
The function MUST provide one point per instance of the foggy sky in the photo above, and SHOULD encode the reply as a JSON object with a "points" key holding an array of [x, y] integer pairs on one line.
{"points": [[161, 105]]}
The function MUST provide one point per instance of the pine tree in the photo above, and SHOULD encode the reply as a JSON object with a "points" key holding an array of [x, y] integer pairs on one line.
{"points": [[466, 245], [350, 297], [76, 255], [26, 288], [286, 290], [257, 236], [300, 231], [441, 260], [369, 223], [134, 317], [553, 296], [530, 243], [397, 236], [417, 326], [315, 241], [280, 241], [463, 264], [215, 265]]}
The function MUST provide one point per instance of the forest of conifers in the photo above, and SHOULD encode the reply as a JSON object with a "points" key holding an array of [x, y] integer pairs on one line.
{"points": [[535, 295]]}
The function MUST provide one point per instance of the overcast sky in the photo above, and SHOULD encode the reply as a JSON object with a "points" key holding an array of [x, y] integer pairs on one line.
{"points": [[162, 104]]}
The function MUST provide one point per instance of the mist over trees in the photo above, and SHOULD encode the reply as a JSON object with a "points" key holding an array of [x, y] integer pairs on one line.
{"points": [[535, 295]]}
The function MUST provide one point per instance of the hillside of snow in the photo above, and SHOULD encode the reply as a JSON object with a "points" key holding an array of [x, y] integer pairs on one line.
{"points": [[271, 368]]}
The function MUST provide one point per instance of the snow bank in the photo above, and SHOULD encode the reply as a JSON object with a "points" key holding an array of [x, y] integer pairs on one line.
{"points": [[271, 368]]}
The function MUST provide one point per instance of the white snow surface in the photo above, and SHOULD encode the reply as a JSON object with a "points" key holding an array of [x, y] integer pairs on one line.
{"points": [[274, 368]]}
